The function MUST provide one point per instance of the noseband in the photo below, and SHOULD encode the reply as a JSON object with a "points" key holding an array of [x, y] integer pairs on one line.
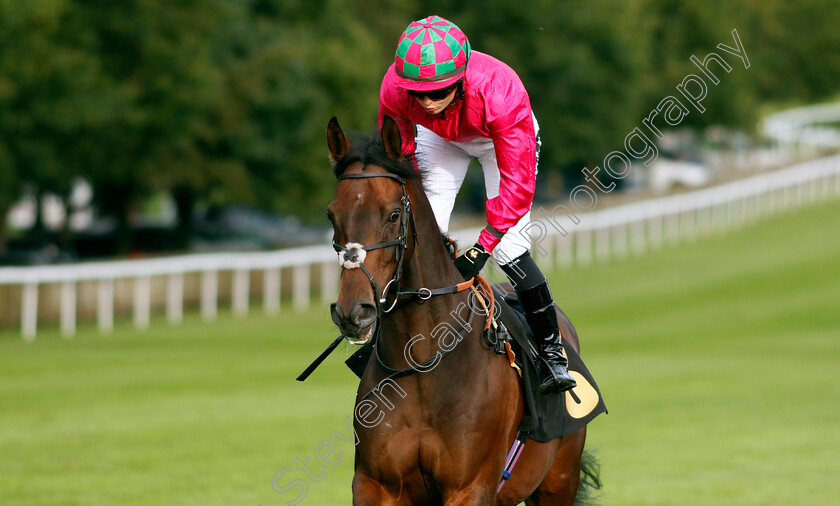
{"points": [[352, 255]]}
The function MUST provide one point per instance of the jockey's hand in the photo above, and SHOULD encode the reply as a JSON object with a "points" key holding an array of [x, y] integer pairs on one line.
{"points": [[472, 261]]}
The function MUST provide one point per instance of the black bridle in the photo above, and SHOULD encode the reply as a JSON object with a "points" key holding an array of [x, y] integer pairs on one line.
{"points": [[401, 242], [353, 255]]}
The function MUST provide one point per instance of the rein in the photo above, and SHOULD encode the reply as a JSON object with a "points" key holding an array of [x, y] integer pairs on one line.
{"points": [[352, 255], [394, 374]]}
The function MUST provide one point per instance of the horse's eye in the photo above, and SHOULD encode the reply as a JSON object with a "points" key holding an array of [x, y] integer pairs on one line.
{"points": [[394, 216]]}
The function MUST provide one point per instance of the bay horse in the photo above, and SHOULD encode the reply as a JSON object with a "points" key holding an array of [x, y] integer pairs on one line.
{"points": [[439, 436]]}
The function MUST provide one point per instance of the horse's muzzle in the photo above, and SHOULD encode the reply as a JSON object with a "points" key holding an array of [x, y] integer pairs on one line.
{"points": [[358, 326]]}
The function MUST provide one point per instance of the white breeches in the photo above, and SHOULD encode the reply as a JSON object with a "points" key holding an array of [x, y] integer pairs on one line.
{"points": [[444, 165]]}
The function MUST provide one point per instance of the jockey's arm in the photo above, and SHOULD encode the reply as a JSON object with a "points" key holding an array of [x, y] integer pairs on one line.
{"points": [[515, 143]]}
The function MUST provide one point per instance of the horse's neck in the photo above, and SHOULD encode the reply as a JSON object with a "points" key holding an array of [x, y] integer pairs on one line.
{"points": [[430, 266], [430, 262]]}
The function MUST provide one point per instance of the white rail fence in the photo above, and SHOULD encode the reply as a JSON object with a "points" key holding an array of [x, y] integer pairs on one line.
{"points": [[599, 236], [802, 126]]}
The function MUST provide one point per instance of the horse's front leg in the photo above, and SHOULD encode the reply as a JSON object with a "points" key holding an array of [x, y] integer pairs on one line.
{"points": [[475, 495], [369, 492]]}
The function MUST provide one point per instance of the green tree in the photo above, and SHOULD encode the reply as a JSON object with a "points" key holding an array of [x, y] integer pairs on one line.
{"points": [[112, 91], [581, 63], [41, 97], [222, 101], [288, 68]]}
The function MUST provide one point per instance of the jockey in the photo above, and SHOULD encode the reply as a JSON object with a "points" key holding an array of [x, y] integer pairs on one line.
{"points": [[466, 104]]}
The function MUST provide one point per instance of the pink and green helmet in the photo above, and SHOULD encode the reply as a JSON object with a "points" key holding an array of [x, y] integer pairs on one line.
{"points": [[432, 53]]}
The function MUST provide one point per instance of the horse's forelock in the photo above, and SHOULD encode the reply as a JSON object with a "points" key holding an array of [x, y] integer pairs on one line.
{"points": [[369, 151]]}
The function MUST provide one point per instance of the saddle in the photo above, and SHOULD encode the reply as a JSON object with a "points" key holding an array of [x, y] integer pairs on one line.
{"points": [[552, 415], [546, 416]]}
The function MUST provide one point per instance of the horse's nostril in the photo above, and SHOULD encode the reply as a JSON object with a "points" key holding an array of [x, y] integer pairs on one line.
{"points": [[336, 314], [363, 314]]}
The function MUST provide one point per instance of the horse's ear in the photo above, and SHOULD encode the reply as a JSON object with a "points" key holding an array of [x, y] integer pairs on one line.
{"points": [[339, 144], [391, 140]]}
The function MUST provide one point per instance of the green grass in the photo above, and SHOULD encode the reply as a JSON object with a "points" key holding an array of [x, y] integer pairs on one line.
{"points": [[718, 361]]}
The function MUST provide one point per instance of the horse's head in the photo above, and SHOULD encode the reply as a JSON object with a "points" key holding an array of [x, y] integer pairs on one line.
{"points": [[372, 225]]}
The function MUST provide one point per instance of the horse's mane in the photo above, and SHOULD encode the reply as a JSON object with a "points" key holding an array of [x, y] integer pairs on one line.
{"points": [[368, 150]]}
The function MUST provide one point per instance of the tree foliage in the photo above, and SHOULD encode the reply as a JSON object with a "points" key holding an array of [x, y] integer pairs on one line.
{"points": [[221, 101]]}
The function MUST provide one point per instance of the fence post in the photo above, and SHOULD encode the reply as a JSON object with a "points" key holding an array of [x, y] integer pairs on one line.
{"points": [[544, 260], [209, 294], [105, 305], [29, 311], [329, 281], [301, 287], [781, 199], [175, 298], [67, 309], [759, 211], [239, 298], [672, 228], [718, 217], [602, 244], [769, 198], [705, 222], [619, 240], [688, 225], [730, 214], [142, 302], [271, 291], [565, 250], [638, 238], [747, 213], [771, 201], [654, 226], [825, 187], [837, 183], [583, 253]]}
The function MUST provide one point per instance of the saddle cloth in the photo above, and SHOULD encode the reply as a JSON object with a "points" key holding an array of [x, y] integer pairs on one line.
{"points": [[548, 416]]}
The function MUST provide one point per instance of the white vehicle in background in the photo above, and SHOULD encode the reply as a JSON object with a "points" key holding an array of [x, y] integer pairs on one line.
{"points": [[666, 174]]}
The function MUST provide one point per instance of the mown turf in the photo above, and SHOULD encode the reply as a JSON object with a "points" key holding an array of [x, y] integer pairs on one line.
{"points": [[719, 361]]}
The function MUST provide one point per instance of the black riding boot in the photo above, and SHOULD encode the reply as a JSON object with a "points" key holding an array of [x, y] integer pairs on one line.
{"points": [[539, 311]]}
